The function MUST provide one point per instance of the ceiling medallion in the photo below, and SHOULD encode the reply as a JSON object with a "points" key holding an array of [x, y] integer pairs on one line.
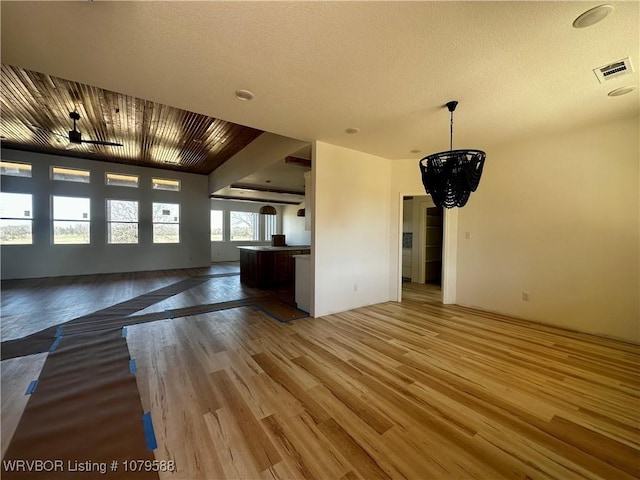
{"points": [[450, 177]]}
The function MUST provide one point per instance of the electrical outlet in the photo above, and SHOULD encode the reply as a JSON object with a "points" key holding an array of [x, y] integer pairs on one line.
{"points": [[355, 287], [467, 235], [525, 296]]}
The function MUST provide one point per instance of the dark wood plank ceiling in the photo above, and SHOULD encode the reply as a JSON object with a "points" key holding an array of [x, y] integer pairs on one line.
{"points": [[153, 135]]}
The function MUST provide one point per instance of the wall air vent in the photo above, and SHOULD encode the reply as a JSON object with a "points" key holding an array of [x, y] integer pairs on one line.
{"points": [[613, 70]]}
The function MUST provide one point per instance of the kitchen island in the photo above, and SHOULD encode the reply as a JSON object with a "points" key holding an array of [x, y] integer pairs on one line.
{"points": [[266, 266]]}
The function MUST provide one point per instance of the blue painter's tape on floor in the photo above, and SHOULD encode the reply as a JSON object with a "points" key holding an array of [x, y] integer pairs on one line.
{"points": [[124, 332], [31, 388], [149, 434], [59, 330], [169, 313], [132, 366], [54, 345]]}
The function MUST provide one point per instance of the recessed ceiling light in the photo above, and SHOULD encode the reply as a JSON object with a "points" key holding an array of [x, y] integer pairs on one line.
{"points": [[621, 91], [244, 95], [593, 16], [352, 131], [415, 150]]}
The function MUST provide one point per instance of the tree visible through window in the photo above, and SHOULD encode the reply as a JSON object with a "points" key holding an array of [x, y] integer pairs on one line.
{"points": [[166, 223], [122, 221], [244, 226]]}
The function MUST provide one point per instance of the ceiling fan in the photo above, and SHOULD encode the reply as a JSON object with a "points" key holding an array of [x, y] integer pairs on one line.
{"points": [[75, 137]]}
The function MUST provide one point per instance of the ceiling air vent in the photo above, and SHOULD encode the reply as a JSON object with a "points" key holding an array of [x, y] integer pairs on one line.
{"points": [[613, 70]]}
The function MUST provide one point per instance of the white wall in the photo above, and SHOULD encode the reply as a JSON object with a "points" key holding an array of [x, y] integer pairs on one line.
{"points": [[44, 259], [350, 236], [293, 226], [558, 217]]}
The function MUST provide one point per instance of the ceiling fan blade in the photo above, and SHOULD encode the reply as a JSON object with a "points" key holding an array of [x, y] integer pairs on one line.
{"points": [[99, 142], [48, 131]]}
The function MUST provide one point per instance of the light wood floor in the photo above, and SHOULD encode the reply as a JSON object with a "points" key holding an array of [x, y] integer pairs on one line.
{"points": [[413, 390], [398, 390]]}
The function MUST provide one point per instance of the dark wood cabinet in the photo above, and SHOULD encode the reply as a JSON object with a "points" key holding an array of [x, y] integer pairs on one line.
{"points": [[264, 267]]}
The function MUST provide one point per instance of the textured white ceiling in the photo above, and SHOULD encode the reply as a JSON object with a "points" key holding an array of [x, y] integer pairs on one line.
{"points": [[317, 68]]}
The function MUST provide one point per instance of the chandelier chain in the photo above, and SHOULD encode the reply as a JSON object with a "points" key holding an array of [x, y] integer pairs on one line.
{"points": [[451, 131]]}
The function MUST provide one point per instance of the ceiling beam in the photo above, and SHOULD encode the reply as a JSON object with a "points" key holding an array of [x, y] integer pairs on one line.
{"points": [[262, 188], [303, 162], [257, 200]]}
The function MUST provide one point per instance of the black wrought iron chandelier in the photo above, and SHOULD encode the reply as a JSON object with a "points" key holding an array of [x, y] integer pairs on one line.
{"points": [[450, 177]]}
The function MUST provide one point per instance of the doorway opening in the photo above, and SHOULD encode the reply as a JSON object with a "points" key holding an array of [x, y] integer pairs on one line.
{"points": [[433, 246], [422, 247]]}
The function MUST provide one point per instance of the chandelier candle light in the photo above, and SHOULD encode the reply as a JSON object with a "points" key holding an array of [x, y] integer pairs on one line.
{"points": [[450, 177]]}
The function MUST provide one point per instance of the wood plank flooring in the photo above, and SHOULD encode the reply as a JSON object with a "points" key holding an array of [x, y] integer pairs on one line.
{"points": [[16, 375], [414, 390], [31, 305]]}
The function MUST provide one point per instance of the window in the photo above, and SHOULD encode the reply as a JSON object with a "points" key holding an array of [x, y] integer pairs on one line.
{"points": [[122, 221], [165, 184], [244, 226], [70, 174], [15, 169], [217, 226], [16, 219], [120, 180], [166, 223], [270, 226], [71, 220]]}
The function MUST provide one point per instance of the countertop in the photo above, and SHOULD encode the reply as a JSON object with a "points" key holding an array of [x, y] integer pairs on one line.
{"points": [[269, 248]]}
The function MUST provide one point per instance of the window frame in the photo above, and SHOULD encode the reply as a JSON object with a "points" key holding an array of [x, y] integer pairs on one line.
{"points": [[21, 219], [222, 233], [79, 177], [121, 176], [154, 222], [54, 220], [165, 181], [266, 235], [256, 228], [5, 164], [110, 222]]}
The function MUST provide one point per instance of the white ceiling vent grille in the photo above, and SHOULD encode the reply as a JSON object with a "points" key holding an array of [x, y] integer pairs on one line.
{"points": [[614, 70]]}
